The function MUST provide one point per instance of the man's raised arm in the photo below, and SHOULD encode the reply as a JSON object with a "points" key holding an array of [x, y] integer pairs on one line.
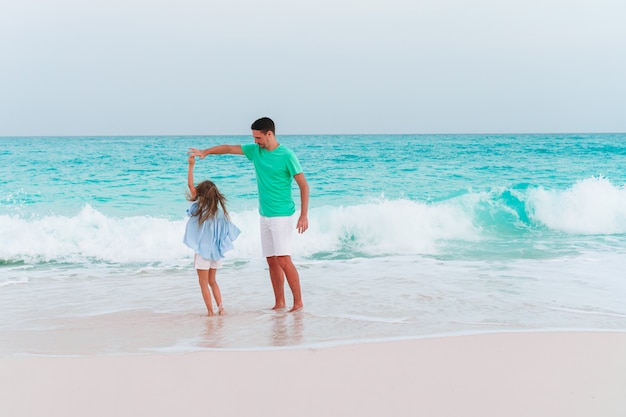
{"points": [[216, 150]]}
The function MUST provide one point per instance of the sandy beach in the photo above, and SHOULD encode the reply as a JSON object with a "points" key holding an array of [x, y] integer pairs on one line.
{"points": [[501, 374]]}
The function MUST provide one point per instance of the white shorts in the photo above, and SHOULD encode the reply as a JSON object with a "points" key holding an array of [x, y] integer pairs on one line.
{"points": [[200, 263], [276, 235]]}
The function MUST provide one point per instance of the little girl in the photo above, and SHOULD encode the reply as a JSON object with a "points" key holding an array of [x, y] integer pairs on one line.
{"points": [[209, 233]]}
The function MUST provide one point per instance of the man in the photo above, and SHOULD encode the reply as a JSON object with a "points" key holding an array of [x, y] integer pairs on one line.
{"points": [[275, 166]]}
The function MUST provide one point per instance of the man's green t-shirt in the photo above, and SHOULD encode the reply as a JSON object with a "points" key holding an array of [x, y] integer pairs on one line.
{"points": [[274, 172]]}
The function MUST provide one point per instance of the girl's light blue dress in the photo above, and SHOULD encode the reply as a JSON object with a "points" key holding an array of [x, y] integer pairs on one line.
{"points": [[212, 238]]}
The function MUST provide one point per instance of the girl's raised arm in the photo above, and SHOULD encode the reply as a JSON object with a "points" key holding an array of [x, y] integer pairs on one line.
{"points": [[192, 188]]}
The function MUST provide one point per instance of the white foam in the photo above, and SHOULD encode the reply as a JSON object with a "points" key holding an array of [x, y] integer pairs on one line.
{"points": [[590, 206], [384, 227], [22, 280], [376, 228], [90, 235]]}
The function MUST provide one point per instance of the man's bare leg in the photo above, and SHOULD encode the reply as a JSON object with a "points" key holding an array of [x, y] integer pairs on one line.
{"points": [[277, 276], [293, 279]]}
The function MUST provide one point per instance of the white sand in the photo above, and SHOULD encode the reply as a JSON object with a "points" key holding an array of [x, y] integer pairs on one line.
{"points": [[504, 375]]}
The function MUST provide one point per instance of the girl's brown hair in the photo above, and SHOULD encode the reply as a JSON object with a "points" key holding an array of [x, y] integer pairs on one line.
{"points": [[208, 197]]}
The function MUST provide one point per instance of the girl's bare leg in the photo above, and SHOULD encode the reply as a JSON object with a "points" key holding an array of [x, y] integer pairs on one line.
{"points": [[217, 294], [203, 280]]}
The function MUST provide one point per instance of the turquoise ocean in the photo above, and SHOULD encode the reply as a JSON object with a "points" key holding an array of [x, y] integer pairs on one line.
{"points": [[410, 236]]}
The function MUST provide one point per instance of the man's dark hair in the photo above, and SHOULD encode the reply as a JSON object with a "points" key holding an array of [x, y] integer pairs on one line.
{"points": [[264, 124]]}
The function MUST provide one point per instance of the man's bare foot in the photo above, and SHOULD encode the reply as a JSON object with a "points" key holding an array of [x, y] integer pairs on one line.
{"points": [[296, 307]]}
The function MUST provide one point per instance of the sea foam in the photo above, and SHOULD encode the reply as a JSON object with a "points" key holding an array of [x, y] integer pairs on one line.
{"points": [[373, 229], [379, 227], [591, 206]]}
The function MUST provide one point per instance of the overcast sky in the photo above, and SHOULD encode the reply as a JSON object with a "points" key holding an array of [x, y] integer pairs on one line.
{"points": [[133, 67]]}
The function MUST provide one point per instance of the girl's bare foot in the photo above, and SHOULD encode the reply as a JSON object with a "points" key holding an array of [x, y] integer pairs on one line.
{"points": [[210, 313], [221, 311]]}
